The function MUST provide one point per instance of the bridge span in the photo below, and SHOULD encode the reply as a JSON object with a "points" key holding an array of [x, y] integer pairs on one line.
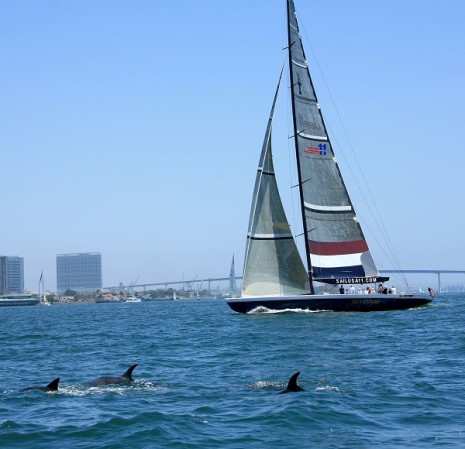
{"points": [[436, 272], [191, 282], [166, 284]]}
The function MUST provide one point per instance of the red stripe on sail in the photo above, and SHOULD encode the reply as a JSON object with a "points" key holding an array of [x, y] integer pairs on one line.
{"points": [[336, 248]]}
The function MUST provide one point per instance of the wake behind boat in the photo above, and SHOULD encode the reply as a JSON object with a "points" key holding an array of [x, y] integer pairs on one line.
{"points": [[337, 253]]}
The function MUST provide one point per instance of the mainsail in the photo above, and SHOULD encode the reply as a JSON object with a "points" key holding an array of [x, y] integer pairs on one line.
{"points": [[337, 251], [272, 264]]}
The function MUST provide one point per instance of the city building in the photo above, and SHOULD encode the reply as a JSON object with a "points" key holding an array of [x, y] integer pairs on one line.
{"points": [[81, 272], [11, 274]]}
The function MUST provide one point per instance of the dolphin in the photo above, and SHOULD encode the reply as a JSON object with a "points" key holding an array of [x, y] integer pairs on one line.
{"points": [[292, 384], [112, 380], [52, 386]]}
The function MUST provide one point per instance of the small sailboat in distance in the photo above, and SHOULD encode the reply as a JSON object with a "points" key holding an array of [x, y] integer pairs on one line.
{"points": [[42, 298], [232, 279], [275, 277]]}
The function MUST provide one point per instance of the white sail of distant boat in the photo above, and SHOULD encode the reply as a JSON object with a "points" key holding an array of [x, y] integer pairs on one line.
{"points": [[232, 279], [42, 297], [336, 250]]}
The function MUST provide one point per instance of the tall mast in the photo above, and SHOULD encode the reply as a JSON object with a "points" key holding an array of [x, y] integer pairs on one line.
{"points": [[291, 10]]}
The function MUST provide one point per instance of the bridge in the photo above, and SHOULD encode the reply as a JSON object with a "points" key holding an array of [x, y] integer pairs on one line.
{"points": [[188, 283], [436, 272], [166, 284]]}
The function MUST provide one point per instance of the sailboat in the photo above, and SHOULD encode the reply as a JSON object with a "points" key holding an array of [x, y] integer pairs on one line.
{"points": [[275, 277], [232, 280], [43, 298]]}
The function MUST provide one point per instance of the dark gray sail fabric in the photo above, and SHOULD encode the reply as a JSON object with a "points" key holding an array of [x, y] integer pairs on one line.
{"points": [[338, 249]]}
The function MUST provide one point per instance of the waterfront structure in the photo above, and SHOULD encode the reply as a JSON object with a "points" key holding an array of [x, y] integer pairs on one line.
{"points": [[81, 272], [11, 274]]}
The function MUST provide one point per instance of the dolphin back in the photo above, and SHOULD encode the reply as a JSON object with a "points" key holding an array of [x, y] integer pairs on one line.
{"points": [[52, 386], [128, 373], [113, 380], [292, 384]]}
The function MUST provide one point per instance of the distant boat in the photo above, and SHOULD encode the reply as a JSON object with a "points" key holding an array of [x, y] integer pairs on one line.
{"points": [[337, 253], [18, 299], [132, 298], [232, 280], [43, 298]]}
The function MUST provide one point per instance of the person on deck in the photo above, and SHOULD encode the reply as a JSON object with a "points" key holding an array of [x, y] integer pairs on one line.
{"points": [[380, 288], [341, 289], [352, 290], [431, 292]]}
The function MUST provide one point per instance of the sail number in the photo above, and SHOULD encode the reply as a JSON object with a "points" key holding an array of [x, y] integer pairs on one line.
{"points": [[369, 280], [320, 149]]}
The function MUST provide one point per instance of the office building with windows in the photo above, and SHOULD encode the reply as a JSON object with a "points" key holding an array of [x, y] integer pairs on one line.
{"points": [[81, 272], [11, 275]]}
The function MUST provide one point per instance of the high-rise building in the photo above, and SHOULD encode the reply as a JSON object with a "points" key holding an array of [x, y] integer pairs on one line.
{"points": [[11, 274], [81, 272]]}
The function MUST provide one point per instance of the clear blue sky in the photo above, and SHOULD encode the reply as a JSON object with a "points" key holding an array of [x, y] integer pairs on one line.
{"points": [[133, 128]]}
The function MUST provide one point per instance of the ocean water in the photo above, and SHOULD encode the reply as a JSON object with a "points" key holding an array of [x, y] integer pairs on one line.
{"points": [[208, 377]]}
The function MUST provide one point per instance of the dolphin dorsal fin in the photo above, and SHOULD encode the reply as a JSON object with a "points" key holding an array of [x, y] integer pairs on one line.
{"points": [[128, 373], [292, 385], [53, 385]]}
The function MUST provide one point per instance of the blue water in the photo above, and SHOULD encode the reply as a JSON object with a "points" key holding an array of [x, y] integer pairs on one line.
{"points": [[207, 377]]}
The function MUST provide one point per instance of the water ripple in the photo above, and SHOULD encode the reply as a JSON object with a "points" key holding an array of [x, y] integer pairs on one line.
{"points": [[207, 377]]}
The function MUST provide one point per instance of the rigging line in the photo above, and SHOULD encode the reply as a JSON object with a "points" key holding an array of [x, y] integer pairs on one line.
{"points": [[292, 176], [292, 165], [298, 224], [381, 227], [402, 276], [349, 167], [264, 155], [376, 216], [387, 244]]}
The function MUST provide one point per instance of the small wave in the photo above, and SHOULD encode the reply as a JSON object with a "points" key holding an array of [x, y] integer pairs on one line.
{"points": [[84, 390], [265, 310], [268, 385], [265, 384], [328, 388]]}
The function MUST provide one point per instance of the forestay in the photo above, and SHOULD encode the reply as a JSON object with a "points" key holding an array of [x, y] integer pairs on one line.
{"points": [[272, 263]]}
